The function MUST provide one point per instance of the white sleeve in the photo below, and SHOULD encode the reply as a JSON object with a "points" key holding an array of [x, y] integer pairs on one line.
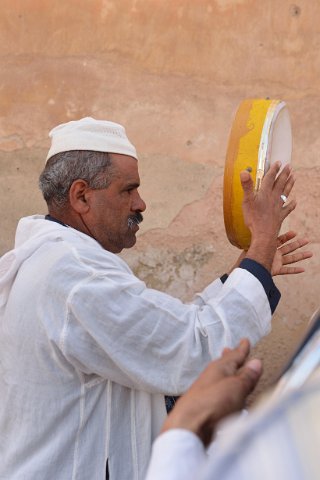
{"points": [[142, 338], [211, 291], [176, 454]]}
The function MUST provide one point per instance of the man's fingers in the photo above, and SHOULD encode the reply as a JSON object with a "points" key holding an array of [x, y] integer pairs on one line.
{"points": [[244, 347], [281, 184], [227, 365], [284, 182], [250, 374], [246, 183], [270, 177], [285, 237], [296, 257], [225, 351], [288, 185], [292, 246], [235, 358], [291, 270], [235, 388], [288, 208], [255, 364]]}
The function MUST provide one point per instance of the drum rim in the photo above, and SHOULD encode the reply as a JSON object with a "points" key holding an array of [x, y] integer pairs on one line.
{"points": [[237, 232]]}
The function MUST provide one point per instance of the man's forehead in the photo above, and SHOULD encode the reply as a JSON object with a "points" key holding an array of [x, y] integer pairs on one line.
{"points": [[125, 167], [124, 162]]}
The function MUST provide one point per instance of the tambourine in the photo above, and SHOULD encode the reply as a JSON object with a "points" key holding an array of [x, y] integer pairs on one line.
{"points": [[260, 135]]}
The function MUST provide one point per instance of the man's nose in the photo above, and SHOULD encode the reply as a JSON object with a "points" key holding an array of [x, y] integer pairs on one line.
{"points": [[139, 204]]}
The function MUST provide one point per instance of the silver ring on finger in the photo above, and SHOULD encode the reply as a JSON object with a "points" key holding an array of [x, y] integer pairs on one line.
{"points": [[284, 198]]}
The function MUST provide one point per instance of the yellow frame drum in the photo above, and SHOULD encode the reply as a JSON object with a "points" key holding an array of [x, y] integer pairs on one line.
{"points": [[260, 135]]}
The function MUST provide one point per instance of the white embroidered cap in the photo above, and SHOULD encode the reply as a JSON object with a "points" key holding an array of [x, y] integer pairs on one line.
{"points": [[90, 134]]}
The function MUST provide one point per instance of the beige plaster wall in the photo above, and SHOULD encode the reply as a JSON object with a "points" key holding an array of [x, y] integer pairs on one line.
{"points": [[173, 72]]}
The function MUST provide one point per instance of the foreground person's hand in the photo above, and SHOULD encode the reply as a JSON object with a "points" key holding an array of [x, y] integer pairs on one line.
{"points": [[220, 390]]}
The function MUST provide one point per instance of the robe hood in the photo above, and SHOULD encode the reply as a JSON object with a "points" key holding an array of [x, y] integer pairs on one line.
{"points": [[32, 232]]}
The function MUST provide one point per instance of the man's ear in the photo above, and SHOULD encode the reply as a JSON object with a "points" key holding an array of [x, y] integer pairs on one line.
{"points": [[79, 194]]}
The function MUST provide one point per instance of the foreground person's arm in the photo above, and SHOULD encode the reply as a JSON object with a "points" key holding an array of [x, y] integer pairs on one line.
{"points": [[179, 452]]}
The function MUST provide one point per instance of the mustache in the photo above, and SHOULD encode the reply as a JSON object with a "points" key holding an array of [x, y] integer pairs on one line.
{"points": [[135, 219]]}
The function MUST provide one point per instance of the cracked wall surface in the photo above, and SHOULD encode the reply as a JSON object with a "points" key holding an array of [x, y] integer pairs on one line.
{"points": [[173, 73]]}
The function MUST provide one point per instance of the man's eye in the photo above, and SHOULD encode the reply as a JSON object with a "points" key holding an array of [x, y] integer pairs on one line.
{"points": [[127, 191], [130, 189]]}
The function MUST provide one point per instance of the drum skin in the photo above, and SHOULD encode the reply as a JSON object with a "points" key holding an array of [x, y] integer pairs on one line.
{"points": [[249, 148]]}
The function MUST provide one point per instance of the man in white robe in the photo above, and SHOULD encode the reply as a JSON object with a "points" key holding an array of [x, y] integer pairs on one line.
{"points": [[87, 351]]}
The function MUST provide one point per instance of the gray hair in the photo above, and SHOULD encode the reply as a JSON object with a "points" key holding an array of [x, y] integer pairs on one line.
{"points": [[64, 168]]}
